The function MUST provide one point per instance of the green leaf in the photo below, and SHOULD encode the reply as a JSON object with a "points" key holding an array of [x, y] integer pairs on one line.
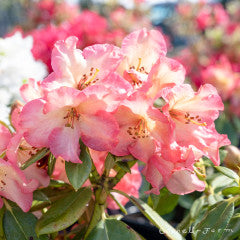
{"points": [[159, 222], [39, 155], [165, 202], [122, 208], [197, 207], [112, 229], [64, 212], [78, 173], [51, 164], [222, 154], [214, 222], [124, 166], [232, 231], [19, 225], [231, 190], [40, 196], [2, 211], [228, 172]]}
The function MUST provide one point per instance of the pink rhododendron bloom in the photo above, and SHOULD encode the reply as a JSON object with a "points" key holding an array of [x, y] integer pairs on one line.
{"points": [[222, 76], [142, 128], [208, 16], [141, 49], [80, 69], [19, 151], [60, 124], [15, 187], [166, 72], [193, 115], [176, 172], [31, 90]]}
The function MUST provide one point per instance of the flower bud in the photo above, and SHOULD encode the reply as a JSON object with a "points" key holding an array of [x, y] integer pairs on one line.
{"points": [[232, 160]]}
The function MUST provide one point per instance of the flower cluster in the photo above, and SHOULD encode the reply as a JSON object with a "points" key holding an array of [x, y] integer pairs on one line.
{"points": [[213, 56], [127, 101]]}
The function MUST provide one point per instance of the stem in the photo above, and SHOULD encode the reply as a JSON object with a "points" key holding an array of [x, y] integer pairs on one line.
{"points": [[99, 209], [184, 224]]}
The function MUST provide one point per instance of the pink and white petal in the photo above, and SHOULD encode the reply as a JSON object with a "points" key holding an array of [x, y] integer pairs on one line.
{"points": [[210, 141], [166, 72], [5, 137], [31, 90], [143, 148], [99, 131], [124, 141], [63, 97], [32, 113], [64, 143], [67, 61], [161, 129], [52, 81], [206, 103], [118, 84], [12, 149], [105, 57], [15, 193], [125, 116], [184, 182], [144, 44], [94, 101], [15, 187], [153, 176], [39, 174]]}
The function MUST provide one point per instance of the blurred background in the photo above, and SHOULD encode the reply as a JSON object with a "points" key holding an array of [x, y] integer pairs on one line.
{"points": [[203, 35]]}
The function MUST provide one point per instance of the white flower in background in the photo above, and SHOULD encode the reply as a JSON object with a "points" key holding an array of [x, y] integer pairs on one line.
{"points": [[17, 65]]}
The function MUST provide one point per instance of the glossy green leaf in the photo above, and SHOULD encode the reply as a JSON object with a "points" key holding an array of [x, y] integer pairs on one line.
{"points": [[232, 231], [214, 222], [51, 164], [39, 155], [197, 207], [64, 212], [154, 217], [19, 225], [228, 172], [121, 207], [112, 229], [213, 199], [165, 202], [78, 173], [40, 196], [231, 190]]}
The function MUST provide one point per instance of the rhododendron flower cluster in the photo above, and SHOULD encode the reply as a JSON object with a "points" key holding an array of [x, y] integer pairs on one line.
{"points": [[123, 101]]}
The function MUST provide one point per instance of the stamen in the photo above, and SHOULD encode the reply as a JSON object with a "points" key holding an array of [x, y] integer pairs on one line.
{"points": [[190, 119], [92, 78], [139, 130], [71, 115], [139, 63]]}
